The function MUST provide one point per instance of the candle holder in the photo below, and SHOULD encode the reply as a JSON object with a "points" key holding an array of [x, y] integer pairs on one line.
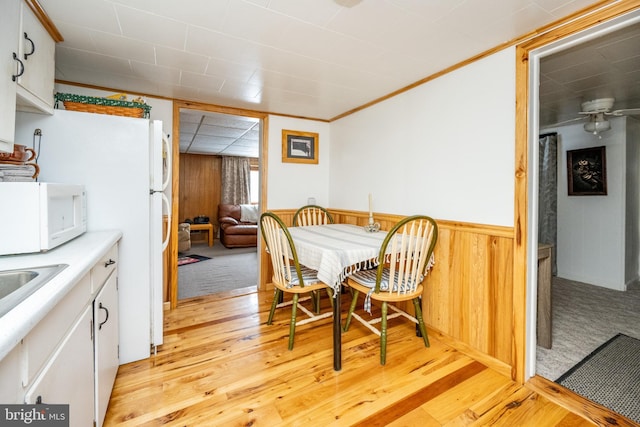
{"points": [[372, 227]]}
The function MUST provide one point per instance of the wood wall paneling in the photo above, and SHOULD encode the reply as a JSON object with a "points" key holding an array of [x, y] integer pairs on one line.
{"points": [[200, 192]]}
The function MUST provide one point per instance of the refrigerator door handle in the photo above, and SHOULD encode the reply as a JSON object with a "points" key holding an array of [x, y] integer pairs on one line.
{"points": [[167, 150], [165, 242]]}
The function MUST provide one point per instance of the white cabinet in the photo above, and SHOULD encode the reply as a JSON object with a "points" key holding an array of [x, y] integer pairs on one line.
{"points": [[68, 374], [9, 67], [71, 356], [27, 67], [10, 386], [43, 339], [37, 52], [107, 360]]}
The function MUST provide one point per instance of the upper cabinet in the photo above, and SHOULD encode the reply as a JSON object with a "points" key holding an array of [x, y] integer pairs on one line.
{"points": [[11, 65], [37, 53], [27, 64]]}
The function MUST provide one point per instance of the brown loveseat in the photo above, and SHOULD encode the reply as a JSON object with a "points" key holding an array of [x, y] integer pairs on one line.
{"points": [[234, 232]]}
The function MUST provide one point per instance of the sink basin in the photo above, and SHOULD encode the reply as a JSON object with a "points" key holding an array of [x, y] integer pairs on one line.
{"points": [[17, 285]]}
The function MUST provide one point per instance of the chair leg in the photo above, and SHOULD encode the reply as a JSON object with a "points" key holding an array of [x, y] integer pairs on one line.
{"points": [[315, 296], [292, 325], [276, 297], [383, 334], [354, 301], [423, 328]]}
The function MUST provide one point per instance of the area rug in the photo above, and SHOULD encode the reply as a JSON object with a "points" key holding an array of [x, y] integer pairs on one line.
{"points": [[223, 273], [190, 259], [609, 376]]}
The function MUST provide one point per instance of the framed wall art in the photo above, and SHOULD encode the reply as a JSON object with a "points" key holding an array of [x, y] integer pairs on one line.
{"points": [[299, 147], [587, 172]]}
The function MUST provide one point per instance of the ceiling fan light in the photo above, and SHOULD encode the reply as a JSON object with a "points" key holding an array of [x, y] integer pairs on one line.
{"points": [[598, 105], [597, 125]]}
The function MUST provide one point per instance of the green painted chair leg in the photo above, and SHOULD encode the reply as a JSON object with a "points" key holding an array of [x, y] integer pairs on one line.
{"points": [[276, 297], [292, 326], [352, 307], [383, 334], [423, 328]]}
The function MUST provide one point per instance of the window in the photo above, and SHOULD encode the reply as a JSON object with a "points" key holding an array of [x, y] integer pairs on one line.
{"points": [[254, 185]]}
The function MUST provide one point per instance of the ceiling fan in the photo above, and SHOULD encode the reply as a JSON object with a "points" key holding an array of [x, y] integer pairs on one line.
{"points": [[596, 112]]}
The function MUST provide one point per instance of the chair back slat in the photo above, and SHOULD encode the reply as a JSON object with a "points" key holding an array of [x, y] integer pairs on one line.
{"points": [[281, 249], [408, 254], [312, 215]]}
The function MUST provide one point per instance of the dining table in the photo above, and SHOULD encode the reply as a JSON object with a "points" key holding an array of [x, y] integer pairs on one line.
{"points": [[336, 251]]}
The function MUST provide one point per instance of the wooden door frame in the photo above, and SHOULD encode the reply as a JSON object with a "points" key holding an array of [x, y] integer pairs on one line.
{"points": [[573, 24], [172, 268]]}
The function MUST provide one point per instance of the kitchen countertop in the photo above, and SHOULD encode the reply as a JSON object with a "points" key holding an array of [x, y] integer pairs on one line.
{"points": [[80, 254]]}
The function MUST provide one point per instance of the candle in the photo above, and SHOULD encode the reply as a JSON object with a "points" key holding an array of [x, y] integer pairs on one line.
{"points": [[370, 204]]}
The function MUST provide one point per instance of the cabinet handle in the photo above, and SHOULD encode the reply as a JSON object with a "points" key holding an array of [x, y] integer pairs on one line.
{"points": [[21, 72], [110, 262], [106, 318], [33, 47]]}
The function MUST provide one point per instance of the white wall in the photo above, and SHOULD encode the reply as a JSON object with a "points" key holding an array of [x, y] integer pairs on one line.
{"points": [[591, 229], [445, 148], [291, 184]]}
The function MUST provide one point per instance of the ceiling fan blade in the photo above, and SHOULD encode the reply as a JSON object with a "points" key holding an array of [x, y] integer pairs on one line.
{"points": [[627, 111], [564, 122]]}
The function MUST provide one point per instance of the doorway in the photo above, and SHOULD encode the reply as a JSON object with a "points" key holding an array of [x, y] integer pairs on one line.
{"points": [[559, 51], [206, 134]]}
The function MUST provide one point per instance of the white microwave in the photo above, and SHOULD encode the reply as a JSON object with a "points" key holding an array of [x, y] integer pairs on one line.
{"points": [[38, 216]]}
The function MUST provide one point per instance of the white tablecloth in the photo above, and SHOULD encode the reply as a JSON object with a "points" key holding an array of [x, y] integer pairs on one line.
{"points": [[336, 250]]}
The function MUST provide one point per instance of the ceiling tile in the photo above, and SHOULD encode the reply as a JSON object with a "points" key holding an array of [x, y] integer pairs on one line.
{"points": [[181, 60], [161, 74], [123, 47], [312, 11], [179, 11], [151, 28], [97, 15], [200, 81]]}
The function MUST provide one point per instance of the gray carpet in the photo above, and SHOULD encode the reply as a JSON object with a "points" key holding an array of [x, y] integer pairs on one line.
{"points": [[228, 269], [585, 316], [610, 376]]}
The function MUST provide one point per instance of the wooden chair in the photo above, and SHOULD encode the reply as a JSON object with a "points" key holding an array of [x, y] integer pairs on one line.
{"points": [[407, 252], [288, 274], [312, 215]]}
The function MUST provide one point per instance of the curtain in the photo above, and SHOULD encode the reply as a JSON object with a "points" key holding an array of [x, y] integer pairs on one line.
{"points": [[235, 180], [548, 193]]}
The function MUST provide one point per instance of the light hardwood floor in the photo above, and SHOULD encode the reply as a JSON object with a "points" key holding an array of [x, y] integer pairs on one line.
{"points": [[222, 365]]}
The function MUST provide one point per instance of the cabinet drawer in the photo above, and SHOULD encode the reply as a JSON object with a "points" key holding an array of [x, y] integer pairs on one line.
{"points": [[104, 268], [47, 334]]}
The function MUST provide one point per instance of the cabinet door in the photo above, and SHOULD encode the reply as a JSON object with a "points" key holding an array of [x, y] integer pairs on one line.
{"points": [[68, 376], [37, 51], [106, 344], [10, 385], [9, 26]]}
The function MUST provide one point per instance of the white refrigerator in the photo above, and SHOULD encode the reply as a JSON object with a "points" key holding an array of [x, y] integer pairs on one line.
{"points": [[124, 164]]}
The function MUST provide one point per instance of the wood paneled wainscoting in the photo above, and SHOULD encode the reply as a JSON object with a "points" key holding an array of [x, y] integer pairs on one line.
{"points": [[468, 294]]}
